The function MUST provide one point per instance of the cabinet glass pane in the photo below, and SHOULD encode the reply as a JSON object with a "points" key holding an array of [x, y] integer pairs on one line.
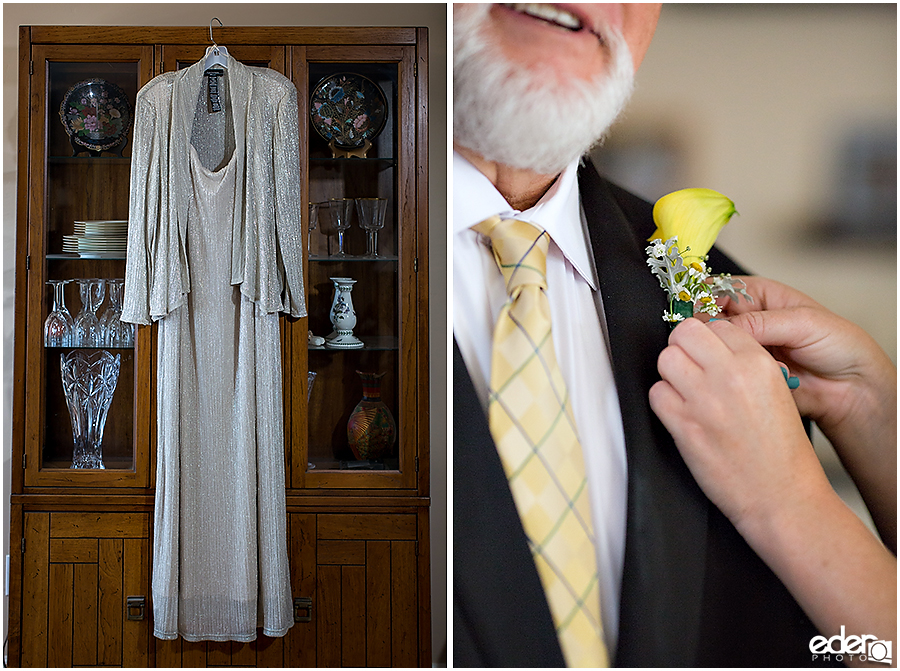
{"points": [[338, 387], [85, 207]]}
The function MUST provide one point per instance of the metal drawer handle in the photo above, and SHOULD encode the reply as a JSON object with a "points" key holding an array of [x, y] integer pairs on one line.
{"points": [[134, 607], [301, 604]]}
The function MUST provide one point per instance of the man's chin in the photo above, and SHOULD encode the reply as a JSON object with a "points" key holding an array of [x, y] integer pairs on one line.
{"points": [[544, 142], [516, 118], [534, 163], [490, 165]]}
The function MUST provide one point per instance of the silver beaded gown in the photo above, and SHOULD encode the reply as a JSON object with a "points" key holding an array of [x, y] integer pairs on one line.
{"points": [[220, 564]]}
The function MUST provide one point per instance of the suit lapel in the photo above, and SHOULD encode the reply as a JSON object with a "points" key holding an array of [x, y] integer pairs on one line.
{"points": [[667, 513], [501, 617]]}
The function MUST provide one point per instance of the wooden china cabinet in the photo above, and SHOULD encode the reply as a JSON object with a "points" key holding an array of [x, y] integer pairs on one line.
{"points": [[357, 527]]}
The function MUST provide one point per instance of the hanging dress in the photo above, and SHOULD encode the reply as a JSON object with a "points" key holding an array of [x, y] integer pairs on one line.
{"points": [[220, 563]]}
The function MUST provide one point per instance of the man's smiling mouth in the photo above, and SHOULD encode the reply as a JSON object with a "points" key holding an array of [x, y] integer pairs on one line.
{"points": [[547, 13], [554, 16]]}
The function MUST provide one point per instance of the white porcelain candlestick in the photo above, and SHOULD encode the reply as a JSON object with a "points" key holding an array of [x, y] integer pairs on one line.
{"points": [[343, 316]]}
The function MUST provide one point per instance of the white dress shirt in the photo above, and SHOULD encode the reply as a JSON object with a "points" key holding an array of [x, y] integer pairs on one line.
{"points": [[479, 292]]}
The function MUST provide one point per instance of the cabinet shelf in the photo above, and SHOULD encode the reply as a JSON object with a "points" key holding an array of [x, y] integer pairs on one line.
{"points": [[111, 464], [385, 162], [370, 343], [64, 160], [84, 257], [69, 347], [339, 259], [388, 464]]}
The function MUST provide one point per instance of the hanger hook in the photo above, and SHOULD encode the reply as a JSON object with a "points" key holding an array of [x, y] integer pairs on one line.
{"points": [[210, 30]]}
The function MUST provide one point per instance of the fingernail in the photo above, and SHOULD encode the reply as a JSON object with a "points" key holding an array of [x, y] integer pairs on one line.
{"points": [[792, 382], [713, 319]]}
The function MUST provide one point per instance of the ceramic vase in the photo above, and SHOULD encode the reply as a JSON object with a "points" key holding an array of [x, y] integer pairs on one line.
{"points": [[371, 430]]}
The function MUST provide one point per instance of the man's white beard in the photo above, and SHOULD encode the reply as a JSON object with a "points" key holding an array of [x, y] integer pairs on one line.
{"points": [[523, 119]]}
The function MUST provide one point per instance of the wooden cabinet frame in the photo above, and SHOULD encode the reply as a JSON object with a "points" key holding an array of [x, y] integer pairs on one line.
{"points": [[366, 535]]}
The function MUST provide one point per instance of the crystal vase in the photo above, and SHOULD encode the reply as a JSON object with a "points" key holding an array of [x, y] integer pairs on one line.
{"points": [[371, 430], [89, 381]]}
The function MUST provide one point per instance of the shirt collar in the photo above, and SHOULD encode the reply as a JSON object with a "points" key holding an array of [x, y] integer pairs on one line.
{"points": [[558, 211]]}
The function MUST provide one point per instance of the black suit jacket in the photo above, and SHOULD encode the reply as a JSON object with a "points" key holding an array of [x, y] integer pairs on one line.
{"points": [[693, 592]]}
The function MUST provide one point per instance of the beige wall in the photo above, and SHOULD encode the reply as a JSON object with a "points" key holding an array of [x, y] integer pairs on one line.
{"points": [[755, 101], [432, 15]]}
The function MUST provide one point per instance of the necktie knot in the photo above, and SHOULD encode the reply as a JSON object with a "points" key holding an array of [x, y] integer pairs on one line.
{"points": [[520, 249]]}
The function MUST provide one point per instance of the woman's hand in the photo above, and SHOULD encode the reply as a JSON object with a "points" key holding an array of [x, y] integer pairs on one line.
{"points": [[844, 375], [725, 402], [848, 386]]}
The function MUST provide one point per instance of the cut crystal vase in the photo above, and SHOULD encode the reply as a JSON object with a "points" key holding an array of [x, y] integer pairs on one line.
{"points": [[89, 381]]}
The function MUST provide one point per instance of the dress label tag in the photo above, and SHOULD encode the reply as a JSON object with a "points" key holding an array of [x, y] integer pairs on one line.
{"points": [[214, 103]]}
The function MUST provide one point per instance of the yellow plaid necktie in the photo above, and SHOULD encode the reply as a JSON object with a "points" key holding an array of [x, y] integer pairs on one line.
{"points": [[531, 421]]}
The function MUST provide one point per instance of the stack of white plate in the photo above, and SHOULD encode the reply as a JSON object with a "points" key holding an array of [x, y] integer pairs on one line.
{"points": [[105, 238]]}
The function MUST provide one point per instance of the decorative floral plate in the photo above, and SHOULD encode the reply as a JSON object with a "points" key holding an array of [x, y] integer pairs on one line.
{"points": [[96, 114], [348, 109]]}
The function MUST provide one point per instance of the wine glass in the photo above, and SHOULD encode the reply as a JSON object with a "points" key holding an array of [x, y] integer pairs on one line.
{"points": [[59, 326], [310, 378], [313, 224], [87, 326], [371, 218], [340, 209], [115, 332]]}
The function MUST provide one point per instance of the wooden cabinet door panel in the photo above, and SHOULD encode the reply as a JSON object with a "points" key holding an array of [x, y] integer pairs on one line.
{"points": [[300, 642], [366, 602], [75, 587], [178, 654]]}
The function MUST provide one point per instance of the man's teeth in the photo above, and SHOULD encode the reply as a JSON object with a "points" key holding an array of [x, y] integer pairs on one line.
{"points": [[548, 13]]}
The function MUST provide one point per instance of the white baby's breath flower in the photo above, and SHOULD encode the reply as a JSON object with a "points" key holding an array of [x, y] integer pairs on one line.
{"points": [[657, 250]]}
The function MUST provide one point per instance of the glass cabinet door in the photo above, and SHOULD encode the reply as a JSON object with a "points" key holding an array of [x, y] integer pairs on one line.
{"points": [[89, 375], [360, 226]]}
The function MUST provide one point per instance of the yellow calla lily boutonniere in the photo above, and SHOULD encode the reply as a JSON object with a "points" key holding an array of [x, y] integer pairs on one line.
{"points": [[695, 217], [687, 224]]}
